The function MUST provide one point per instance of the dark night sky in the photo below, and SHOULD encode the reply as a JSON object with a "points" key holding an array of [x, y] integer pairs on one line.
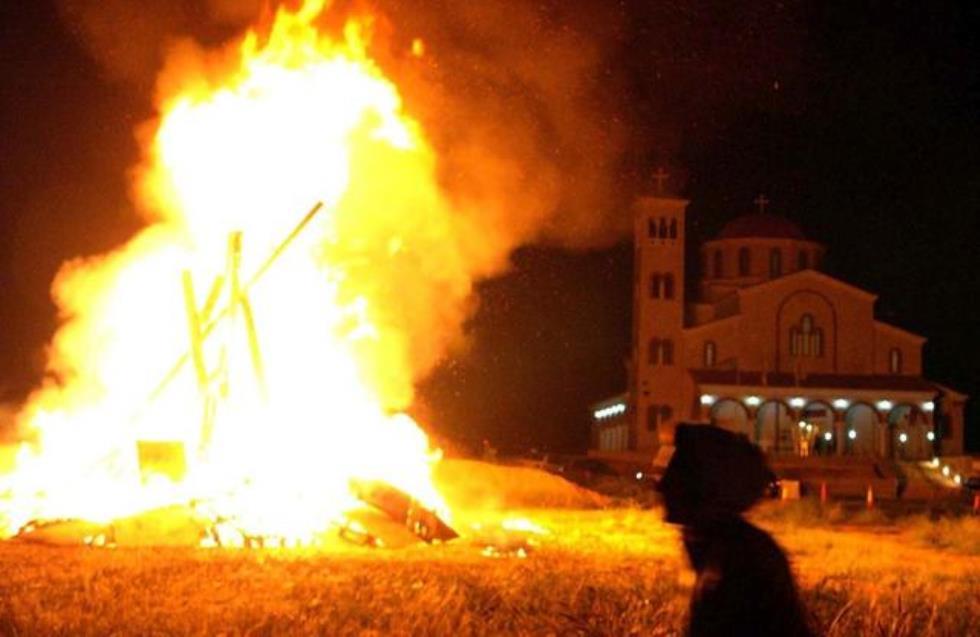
{"points": [[861, 122]]}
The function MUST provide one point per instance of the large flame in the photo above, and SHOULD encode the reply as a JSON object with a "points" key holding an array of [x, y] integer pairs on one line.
{"points": [[307, 371]]}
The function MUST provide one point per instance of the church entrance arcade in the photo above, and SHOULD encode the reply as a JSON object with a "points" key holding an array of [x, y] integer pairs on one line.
{"points": [[776, 431], [832, 426], [909, 432], [863, 430], [818, 429], [731, 414]]}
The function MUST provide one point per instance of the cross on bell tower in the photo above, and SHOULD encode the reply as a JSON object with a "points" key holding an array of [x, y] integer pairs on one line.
{"points": [[762, 201]]}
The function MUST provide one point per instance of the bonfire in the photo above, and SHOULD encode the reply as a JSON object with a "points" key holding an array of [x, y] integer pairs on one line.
{"points": [[250, 354]]}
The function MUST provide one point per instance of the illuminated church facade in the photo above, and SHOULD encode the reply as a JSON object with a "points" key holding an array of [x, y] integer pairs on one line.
{"points": [[770, 347]]}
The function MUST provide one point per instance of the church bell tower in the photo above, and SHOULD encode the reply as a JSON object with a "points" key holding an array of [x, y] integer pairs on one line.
{"points": [[659, 381]]}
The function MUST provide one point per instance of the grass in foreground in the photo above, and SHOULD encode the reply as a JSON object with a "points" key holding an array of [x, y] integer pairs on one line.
{"points": [[600, 572]]}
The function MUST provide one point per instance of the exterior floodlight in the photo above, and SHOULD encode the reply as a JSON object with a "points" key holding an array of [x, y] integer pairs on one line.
{"points": [[841, 403], [852, 434], [797, 402], [802, 424], [903, 437], [930, 436], [928, 406], [639, 475], [753, 401], [957, 479], [884, 405], [827, 436], [946, 470], [708, 400], [610, 411]]}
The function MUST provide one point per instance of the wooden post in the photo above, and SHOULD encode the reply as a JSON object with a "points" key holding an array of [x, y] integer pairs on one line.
{"points": [[194, 327]]}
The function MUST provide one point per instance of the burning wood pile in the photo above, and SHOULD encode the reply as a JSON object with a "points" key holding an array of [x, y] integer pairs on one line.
{"points": [[286, 412]]}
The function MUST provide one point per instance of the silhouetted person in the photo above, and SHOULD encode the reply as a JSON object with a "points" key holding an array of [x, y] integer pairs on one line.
{"points": [[744, 584]]}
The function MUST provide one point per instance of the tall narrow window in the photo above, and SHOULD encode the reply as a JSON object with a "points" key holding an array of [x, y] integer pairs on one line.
{"points": [[653, 351], [666, 413], [710, 354], [663, 228], [775, 263], [668, 286], [806, 329], [667, 352], [717, 264], [895, 361], [673, 228], [743, 262], [652, 228], [803, 260], [655, 286]]}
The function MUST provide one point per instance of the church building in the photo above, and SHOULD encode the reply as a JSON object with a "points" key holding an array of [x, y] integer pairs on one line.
{"points": [[771, 347]]}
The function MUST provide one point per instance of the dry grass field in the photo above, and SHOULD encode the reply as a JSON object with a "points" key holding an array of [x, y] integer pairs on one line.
{"points": [[598, 571]]}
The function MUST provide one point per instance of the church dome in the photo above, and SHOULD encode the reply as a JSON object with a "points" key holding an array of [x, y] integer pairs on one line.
{"points": [[761, 226]]}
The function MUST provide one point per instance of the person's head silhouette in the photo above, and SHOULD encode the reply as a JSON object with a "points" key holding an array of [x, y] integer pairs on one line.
{"points": [[713, 474]]}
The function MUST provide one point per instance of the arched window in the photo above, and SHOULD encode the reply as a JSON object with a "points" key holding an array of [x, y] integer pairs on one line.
{"points": [[655, 286], [653, 351], [805, 339], [673, 228], [895, 361], [743, 261], [717, 264], [775, 263], [803, 260], [667, 352], [710, 353], [668, 286]]}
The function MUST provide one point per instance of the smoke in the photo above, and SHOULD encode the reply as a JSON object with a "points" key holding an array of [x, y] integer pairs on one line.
{"points": [[129, 39], [518, 97], [521, 99]]}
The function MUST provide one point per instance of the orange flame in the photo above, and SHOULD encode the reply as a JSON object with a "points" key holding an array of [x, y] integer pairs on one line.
{"points": [[304, 378]]}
